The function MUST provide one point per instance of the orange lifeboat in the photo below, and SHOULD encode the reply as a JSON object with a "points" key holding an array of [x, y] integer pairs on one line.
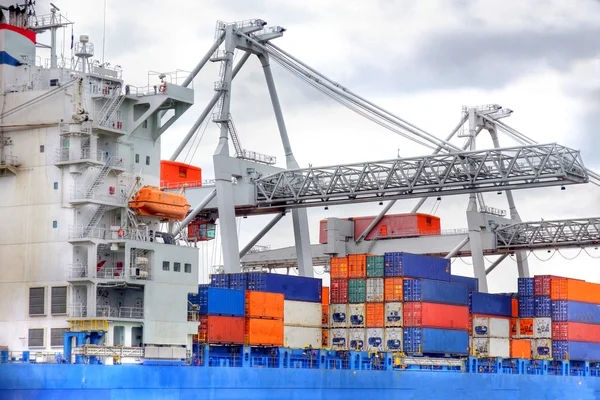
{"points": [[152, 201]]}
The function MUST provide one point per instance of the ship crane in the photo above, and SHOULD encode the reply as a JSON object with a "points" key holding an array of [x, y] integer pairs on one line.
{"points": [[250, 186]]}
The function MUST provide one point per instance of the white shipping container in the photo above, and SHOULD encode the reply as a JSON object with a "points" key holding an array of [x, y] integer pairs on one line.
{"points": [[298, 337], [491, 327], [541, 348], [338, 315], [492, 347], [542, 328], [356, 315], [338, 338], [393, 339], [357, 339], [375, 290], [302, 313], [393, 315], [375, 339]]}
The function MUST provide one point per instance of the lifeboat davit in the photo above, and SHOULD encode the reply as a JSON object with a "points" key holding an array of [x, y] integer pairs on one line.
{"points": [[152, 201]]}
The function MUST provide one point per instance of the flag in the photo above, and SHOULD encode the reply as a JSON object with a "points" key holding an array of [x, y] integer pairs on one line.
{"points": [[72, 38]]}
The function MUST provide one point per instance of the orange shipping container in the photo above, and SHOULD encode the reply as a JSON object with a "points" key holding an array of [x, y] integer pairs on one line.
{"points": [[513, 326], [338, 267], [325, 338], [264, 305], [357, 266], [264, 332], [525, 328], [325, 315], [520, 349], [393, 289], [325, 295], [219, 329], [375, 315], [515, 308], [575, 290], [434, 315]]}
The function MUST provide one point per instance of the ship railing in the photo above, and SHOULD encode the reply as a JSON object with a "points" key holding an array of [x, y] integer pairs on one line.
{"points": [[77, 310], [114, 122], [259, 157], [80, 232], [166, 185], [80, 192], [77, 270], [120, 312], [67, 128], [7, 159], [37, 357], [64, 154], [420, 232], [150, 90], [110, 273]]}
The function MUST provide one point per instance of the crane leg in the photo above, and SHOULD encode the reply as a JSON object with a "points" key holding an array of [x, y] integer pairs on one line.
{"points": [[476, 244]]}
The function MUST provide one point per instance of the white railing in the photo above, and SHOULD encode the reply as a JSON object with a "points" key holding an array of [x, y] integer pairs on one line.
{"points": [[110, 273], [64, 154], [115, 122], [81, 232], [84, 127], [166, 185], [149, 90], [255, 156], [120, 312], [7, 159], [77, 310], [419, 232], [81, 192], [77, 270]]}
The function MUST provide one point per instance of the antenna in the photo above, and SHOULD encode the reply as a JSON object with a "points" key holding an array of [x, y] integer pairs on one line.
{"points": [[54, 6], [104, 33]]}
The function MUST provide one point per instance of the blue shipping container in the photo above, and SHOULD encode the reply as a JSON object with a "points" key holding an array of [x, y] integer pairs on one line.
{"points": [[577, 351], [219, 280], [433, 291], [436, 341], [574, 311], [220, 301], [526, 307], [525, 287], [472, 283], [297, 288], [238, 281], [416, 266], [543, 306], [490, 304]]}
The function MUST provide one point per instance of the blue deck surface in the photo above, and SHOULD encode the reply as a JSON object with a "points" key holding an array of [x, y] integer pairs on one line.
{"points": [[97, 382]]}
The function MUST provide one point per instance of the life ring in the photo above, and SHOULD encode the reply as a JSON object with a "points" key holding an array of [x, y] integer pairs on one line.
{"points": [[121, 232], [163, 87]]}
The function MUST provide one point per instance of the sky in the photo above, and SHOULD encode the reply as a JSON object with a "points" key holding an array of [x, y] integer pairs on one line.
{"points": [[422, 60]]}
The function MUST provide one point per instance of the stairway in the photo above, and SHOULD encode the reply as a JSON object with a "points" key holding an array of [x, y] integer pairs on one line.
{"points": [[100, 209], [234, 137], [110, 108], [92, 186]]}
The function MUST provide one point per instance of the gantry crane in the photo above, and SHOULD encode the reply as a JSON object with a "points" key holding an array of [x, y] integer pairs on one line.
{"points": [[250, 183]]}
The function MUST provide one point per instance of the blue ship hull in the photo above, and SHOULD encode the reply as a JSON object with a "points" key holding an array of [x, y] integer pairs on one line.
{"points": [[97, 382]]}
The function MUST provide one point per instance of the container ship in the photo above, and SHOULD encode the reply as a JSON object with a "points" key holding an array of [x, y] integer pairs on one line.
{"points": [[99, 266]]}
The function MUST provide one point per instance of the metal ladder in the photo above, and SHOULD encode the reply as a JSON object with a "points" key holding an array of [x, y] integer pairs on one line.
{"points": [[234, 137], [110, 107], [91, 188], [95, 219]]}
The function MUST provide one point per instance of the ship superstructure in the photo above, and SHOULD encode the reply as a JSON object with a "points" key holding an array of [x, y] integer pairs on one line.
{"points": [[77, 144]]}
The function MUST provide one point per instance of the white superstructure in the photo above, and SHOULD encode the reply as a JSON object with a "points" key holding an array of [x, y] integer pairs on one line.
{"points": [[75, 144]]}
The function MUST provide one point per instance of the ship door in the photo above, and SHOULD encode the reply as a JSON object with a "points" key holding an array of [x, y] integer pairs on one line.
{"points": [[137, 336]]}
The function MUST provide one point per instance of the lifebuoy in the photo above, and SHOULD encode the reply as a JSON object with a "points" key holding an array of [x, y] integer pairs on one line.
{"points": [[121, 232], [162, 87]]}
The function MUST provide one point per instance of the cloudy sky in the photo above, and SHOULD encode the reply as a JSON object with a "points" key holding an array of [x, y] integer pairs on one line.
{"points": [[422, 60]]}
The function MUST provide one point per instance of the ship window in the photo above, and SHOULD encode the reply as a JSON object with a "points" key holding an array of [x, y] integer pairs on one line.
{"points": [[187, 268], [36, 338], [57, 336], [166, 265], [147, 160], [53, 82], [55, 224], [36, 301], [42, 148], [177, 267], [137, 158], [145, 124], [58, 300], [55, 185]]}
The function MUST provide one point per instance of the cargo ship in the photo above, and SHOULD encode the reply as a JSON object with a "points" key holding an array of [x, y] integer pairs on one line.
{"points": [[99, 273]]}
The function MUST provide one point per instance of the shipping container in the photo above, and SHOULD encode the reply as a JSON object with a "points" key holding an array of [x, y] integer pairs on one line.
{"points": [[375, 267], [339, 291], [432, 291], [338, 315], [264, 305], [575, 311], [394, 314], [298, 288], [520, 349], [302, 313], [219, 281], [221, 330], [491, 327], [513, 328], [416, 266], [299, 337], [375, 315], [338, 338], [525, 328], [338, 267], [575, 290], [393, 289], [514, 307], [472, 283], [264, 332], [375, 290], [238, 281], [393, 339], [393, 264], [357, 339], [490, 304], [541, 284], [325, 315], [575, 351], [491, 347], [325, 295], [375, 339], [526, 307], [576, 331], [357, 266], [434, 315], [542, 306], [357, 315], [220, 301], [542, 328], [357, 290], [541, 349], [525, 287], [325, 338], [435, 341]]}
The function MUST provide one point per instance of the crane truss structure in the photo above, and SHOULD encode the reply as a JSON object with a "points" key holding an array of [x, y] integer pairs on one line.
{"points": [[442, 174], [549, 234]]}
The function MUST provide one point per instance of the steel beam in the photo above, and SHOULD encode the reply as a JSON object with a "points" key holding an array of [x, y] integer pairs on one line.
{"points": [[195, 212], [261, 234], [458, 247], [204, 60], [495, 264]]}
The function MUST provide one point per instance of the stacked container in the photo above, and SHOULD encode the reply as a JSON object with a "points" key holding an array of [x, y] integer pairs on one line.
{"points": [[325, 317], [221, 314], [491, 337], [264, 319]]}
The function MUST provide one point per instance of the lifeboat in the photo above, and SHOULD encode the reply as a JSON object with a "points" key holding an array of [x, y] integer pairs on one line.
{"points": [[152, 201]]}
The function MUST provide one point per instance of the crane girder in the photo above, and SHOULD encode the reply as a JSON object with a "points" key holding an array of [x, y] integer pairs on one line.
{"points": [[441, 174]]}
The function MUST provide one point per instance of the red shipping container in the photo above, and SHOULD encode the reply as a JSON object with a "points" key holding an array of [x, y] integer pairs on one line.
{"points": [[375, 315], [338, 291], [221, 330], [541, 284], [338, 267], [515, 308], [576, 331], [325, 295], [357, 266], [433, 315]]}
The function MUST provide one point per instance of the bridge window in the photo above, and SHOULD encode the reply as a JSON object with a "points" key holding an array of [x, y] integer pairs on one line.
{"points": [[58, 300], [187, 268], [36, 338], [137, 158], [36, 301], [166, 265], [177, 267], [57, 336], [147, 160]]}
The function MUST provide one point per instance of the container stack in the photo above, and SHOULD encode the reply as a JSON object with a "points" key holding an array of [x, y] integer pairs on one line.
{"points": [[221, 315], [264, 324], [325, 317], [542, 322], [491, 315]]}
